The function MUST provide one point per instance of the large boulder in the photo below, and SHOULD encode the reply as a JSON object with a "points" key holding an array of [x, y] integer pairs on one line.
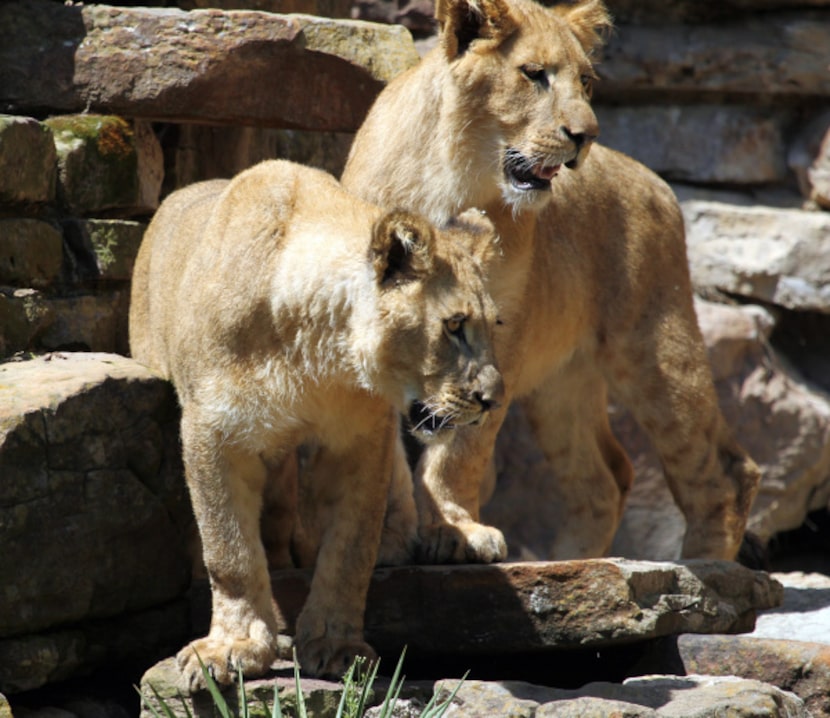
{"points": [[93, 514], [243, 67]]}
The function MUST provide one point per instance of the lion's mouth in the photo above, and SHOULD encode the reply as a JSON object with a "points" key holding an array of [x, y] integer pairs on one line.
{"points": [[427, 421], [526, 175]]}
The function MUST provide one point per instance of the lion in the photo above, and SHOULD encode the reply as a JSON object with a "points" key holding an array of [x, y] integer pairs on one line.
{"points": [[593, 288], [284, 310]]}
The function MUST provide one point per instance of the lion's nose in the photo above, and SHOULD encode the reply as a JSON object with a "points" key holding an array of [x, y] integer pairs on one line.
{"points": [[580, 139], [491, 391]]}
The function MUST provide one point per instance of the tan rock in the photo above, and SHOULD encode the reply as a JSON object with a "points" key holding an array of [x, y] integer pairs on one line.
{"points": [[242, 67], [801, 668]]}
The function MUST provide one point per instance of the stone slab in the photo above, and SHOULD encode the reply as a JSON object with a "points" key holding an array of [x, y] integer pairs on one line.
{"points": [[242, 67], [773, 255], [766, 54], [519, 607]]}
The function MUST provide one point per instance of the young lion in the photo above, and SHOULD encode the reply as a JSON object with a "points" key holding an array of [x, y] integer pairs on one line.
{"points": [[593, 289], [285, 310]]}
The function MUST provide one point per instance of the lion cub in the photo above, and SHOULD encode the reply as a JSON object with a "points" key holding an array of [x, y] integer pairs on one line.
{"points": [[285, 310]]}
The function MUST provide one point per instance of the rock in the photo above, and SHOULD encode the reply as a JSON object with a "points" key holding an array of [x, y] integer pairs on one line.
{"points": [[31, 253], [804, 614], [43, 658], [84, 322], [744, 145], [776, 256], [104, 164], [27, 160], [751, 55], [695, 12], [294, 71], [642, 697], [809, 158], [321, 696], [206, 152], [5, 708], [103, 250], [24, 315], [541, 606], [93, 507], [801, 668], [323, 8]]}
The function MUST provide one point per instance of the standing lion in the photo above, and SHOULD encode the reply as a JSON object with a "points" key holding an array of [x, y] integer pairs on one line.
{"points": [[285, 310], [593, 289]]}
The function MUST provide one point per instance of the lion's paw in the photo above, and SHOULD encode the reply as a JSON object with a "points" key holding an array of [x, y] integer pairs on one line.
{"points": [[468, 542], [332, 657], [222, 659]]}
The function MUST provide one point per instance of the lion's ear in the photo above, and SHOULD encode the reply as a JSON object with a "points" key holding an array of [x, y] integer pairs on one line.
{"points": [[464, 21], [589, 20], [402, 247]]}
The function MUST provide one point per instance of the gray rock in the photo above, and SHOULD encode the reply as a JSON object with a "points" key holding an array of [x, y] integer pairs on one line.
{"points": [[750, 55], [93, 507], [804, 614], [772, 255], [643, 697], [290, 71], [744, 145], [27, 160]]}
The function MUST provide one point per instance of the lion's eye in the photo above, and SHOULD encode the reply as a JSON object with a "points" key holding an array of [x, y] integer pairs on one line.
{"points": [[587, 83], [535, 72], [455, 325]]}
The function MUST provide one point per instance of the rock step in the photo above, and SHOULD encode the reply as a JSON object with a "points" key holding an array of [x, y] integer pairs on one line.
{"points": [[531, 606]]}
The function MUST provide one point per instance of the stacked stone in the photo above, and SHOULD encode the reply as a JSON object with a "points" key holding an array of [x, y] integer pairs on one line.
{"points": [[68, 187]]}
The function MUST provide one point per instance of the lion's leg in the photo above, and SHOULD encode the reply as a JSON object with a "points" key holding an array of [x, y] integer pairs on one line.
{"points": [[400, 524], [226, 492], [330, 627], [667, 385], [569, 418], [279, 520], [449, 480]]}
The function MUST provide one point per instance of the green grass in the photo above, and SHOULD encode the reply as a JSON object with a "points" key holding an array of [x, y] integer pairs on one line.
{"points": [[355, 699]]}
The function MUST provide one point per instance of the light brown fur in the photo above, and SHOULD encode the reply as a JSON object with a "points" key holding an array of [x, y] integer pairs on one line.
{"points": [[285, 310], [594, 288]]}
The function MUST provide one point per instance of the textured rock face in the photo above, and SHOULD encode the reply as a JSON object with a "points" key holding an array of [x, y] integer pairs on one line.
{"points": [[246, 67], [27, 161], [93, 507], [644, 697]]}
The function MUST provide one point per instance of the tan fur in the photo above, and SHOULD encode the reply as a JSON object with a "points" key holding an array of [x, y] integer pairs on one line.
{"points": [[285, 310], [594, 288]]}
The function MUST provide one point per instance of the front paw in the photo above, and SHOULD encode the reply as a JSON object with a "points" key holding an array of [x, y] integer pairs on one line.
{"points": [[222, 659], [468, 542], [332, 657]]}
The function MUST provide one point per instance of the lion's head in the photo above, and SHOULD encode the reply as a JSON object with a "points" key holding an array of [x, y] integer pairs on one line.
{"points": [[437, 320], [527, 70]]}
